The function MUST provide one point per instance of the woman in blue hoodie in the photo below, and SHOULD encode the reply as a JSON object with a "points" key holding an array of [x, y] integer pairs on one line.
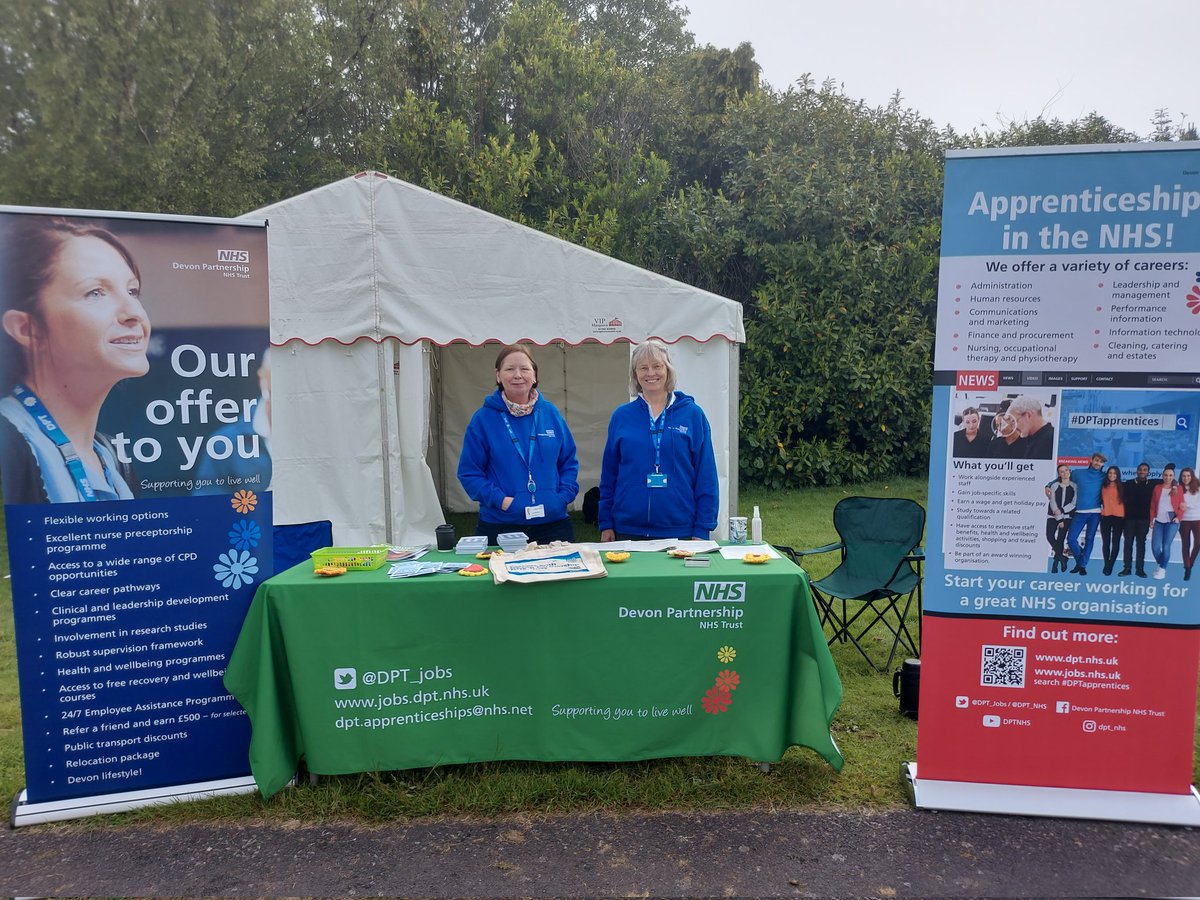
{"points": [[518, 457], [659, 475]]}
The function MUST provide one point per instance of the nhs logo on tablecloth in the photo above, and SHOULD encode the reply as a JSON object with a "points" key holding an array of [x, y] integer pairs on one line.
{"points": [[719, 592]]}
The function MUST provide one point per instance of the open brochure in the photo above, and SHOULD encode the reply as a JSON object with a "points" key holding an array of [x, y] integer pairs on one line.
{"points": [[414, 569]]}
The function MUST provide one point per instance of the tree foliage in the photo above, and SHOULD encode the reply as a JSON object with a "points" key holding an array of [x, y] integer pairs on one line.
{"points": [[1091, 129], [172, 107], [599, 121], [825, 227]]}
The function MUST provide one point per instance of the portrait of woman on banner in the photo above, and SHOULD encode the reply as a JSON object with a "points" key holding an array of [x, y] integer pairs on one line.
{"points": [[969, 441], [73, 327]]}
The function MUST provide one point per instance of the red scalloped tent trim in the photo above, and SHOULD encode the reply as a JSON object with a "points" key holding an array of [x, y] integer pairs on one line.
{"points": [[558, 340]]}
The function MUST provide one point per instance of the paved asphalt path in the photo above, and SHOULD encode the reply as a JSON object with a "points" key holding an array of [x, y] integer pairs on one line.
{"points": [[907, 853]]}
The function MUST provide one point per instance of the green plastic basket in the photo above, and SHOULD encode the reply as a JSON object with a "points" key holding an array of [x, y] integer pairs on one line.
{"points": [[350, 557]]}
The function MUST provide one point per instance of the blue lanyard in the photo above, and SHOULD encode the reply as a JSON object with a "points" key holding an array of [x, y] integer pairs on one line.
{"points": [[532, 485], [656, 431], [45, 421]]}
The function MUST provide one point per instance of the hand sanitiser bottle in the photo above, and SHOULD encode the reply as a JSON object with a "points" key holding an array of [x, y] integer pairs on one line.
{"points": [[756, 528]]}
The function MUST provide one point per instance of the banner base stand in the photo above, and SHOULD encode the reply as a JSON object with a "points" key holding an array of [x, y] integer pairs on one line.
{"points": [[1069, 803], [25, 813]]}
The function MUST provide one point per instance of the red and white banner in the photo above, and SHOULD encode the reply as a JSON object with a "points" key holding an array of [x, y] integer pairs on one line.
{"points": [[1061, 636]]}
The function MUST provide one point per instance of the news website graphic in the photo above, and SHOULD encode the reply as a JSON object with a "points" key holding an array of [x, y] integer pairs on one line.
{"points": [[1130, 427], [128, 597], [978, 381], [1062, 619]]}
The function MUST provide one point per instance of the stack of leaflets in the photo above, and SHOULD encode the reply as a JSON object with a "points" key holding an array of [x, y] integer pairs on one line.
{"points": [[470, 545], [512, 541], [416, 551]]}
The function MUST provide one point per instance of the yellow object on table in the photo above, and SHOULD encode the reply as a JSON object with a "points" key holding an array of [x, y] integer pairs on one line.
{"points": [[350, 557]]}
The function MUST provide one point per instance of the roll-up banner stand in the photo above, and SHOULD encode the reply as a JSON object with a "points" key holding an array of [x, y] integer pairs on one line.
{"points": [[1059, 666], [134, 459]]}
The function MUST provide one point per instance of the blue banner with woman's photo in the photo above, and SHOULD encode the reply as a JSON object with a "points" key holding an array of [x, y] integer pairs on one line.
{"points": [[135, 465]]}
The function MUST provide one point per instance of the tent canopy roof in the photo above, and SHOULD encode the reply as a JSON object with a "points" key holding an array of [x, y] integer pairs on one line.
{"points": [[374, 257]]}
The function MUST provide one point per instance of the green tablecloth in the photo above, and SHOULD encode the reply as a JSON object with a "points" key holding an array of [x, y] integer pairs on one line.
{"points": [[366, 673]]}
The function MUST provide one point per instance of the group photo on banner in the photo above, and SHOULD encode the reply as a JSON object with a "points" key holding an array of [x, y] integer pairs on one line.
{"points": [[1061, 642], [135, 462]]}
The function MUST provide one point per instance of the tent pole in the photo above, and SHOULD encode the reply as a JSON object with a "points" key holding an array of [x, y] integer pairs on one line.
{"points": [[437, 403], [734, 423], [381, 380]]}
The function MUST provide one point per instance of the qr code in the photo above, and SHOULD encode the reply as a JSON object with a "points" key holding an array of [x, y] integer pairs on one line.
{"points": [[1003, 667]]}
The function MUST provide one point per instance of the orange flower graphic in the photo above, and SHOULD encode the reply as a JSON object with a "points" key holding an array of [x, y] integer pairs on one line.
{"points": [[716, 700], [729, 680], [244, 501]]}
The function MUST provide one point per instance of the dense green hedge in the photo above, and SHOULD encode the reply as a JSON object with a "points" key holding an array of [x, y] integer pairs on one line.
{"points": [[599, 122]]}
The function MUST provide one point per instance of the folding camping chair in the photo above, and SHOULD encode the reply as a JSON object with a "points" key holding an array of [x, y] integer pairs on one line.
{"points": [[880, 542]]}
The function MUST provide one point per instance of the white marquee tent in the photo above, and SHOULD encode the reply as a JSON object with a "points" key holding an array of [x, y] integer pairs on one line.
{"points": [[388, 306]]}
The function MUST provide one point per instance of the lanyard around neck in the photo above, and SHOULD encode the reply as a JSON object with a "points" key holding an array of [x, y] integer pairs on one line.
{"points": [[29, 400], [657, 425], [531, 486]]}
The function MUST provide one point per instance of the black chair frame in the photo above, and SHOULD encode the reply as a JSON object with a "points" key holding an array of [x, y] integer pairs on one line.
{"points": [[887, 600]]}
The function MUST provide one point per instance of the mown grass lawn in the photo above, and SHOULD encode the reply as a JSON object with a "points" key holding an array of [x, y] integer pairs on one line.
{"points": [[872, 734]]}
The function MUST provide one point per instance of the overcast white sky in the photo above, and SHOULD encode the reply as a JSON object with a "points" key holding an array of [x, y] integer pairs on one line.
{"points": [[970, 63]]}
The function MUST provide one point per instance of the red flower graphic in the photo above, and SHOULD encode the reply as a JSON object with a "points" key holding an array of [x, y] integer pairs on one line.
{"points": [[1193, 300], [729, 680], [716, 700]]}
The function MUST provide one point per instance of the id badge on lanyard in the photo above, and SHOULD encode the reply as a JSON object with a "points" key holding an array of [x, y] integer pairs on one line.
{"points": [[657, 478], [534, 510]]}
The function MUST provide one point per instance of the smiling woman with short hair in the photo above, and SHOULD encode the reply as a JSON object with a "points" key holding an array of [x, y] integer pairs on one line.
{"points": [[518, 459]]}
